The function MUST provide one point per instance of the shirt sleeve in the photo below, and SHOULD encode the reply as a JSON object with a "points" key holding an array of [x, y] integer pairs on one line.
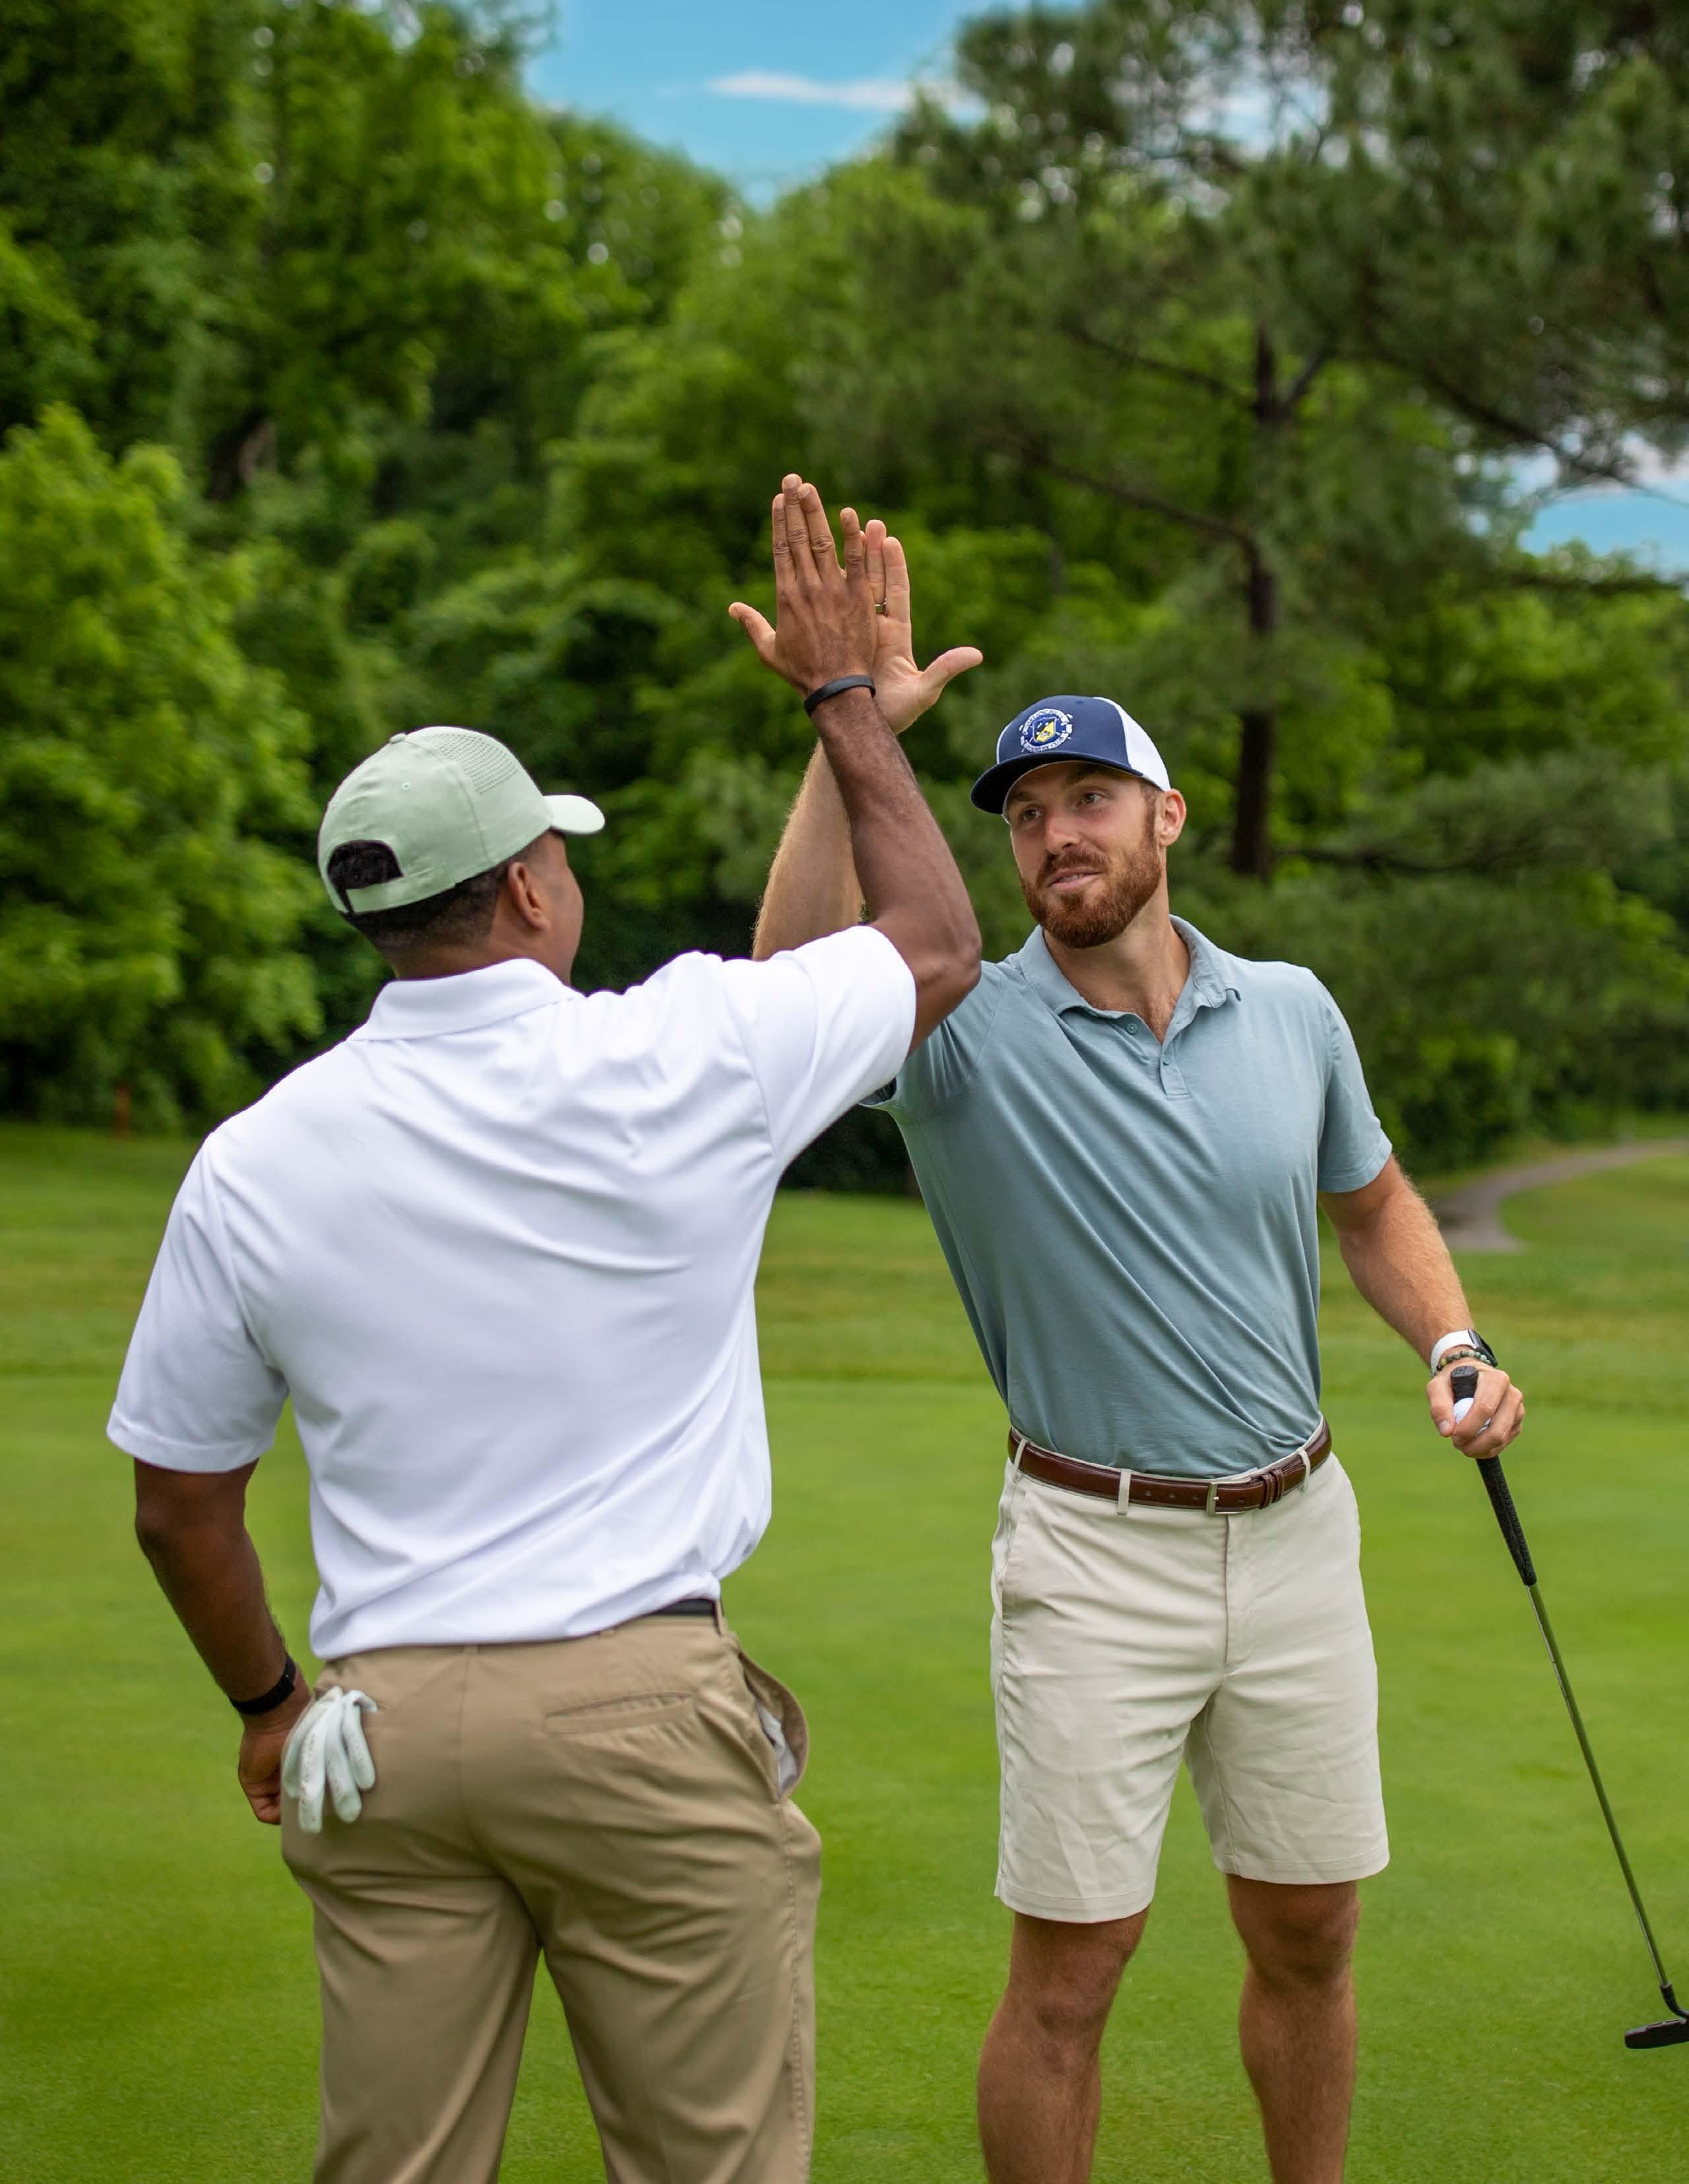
{"points": [[197, 1393], [1352, 1144], [822, 1025]]}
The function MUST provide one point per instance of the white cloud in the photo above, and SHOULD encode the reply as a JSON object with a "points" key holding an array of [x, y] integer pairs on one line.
{"points": [[866, 95]]}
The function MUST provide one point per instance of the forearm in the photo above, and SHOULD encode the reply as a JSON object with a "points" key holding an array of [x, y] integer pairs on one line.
{"points": [[813, 886], [1399, 1262], [209, 1570], [910, 884]]}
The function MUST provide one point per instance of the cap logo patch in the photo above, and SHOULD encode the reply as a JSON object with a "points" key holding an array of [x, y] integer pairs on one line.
{"points": [[1046, 728]]}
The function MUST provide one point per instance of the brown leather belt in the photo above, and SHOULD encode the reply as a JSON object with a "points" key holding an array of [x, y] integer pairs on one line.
{"points": [[1217, 1497]]}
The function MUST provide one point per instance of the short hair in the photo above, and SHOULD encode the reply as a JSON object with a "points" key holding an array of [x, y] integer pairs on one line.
{"points": [[456, 917]]}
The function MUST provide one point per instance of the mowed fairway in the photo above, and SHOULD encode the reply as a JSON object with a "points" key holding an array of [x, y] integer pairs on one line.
{"points": [[158, 1990]]}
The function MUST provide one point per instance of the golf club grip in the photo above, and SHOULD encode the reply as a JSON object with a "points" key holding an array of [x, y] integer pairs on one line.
{"points": [[1502, 1501]]}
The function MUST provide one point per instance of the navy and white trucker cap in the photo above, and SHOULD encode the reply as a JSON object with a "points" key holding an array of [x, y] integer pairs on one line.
{"points": [[1093, 729]]}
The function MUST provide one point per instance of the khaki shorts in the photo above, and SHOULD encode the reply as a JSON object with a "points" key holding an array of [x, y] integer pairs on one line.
{"points": [[1124, 1640]]}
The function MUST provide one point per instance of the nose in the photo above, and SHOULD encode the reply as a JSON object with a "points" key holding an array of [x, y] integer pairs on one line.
{"points": [[1062, 830]]}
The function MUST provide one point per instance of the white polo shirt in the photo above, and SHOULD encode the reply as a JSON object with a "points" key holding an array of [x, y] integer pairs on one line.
{"points": [[500, 1247]]}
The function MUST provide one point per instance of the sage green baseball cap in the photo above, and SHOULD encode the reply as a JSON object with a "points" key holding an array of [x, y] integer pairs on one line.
{"points": [[449, 802]]}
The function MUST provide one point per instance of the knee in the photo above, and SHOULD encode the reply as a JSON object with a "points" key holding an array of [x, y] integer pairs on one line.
{"points": [[1062, 2028], [1059, 1998], [1306, 1940]]}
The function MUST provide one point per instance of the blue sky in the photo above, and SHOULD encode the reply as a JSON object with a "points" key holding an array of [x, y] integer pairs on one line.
{"points": [[768, 91], [764, 90], [1654, 522]]}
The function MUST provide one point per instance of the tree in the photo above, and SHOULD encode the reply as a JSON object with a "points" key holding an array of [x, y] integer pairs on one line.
{"points": [[1192, 363], [148, 934], [125, 204], [1143, 351], [1494, 200], [1358, 228]]}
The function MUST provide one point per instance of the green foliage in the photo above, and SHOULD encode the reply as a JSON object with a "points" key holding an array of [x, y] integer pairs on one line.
{"points": [[125, 191], [147, 934], [1480, 1006], [1187, 360], [1498, 207]]}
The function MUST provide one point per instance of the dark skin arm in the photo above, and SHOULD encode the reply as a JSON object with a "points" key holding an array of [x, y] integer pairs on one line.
{"points": [[826, 628], [192, 1527]]}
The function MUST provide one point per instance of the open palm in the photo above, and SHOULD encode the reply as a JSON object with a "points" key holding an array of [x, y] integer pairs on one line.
{"points": [[904, 690]]}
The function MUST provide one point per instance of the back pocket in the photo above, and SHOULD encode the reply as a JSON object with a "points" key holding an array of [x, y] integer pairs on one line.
{"points": [[606, 1717]]}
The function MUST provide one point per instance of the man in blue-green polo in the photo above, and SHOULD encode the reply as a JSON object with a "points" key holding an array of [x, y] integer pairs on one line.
{"points": [[1123, 1135]]}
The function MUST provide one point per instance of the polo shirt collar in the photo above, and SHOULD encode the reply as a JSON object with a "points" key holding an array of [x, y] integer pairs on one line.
{"points": [[426, 1008], [1209, 985]]}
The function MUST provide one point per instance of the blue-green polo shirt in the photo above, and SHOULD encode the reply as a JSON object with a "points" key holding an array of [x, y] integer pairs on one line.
{"points": [[1132, 1226]]}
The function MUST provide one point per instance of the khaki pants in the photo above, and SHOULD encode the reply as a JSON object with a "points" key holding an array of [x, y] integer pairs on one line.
{"points": [[613, 1801]]}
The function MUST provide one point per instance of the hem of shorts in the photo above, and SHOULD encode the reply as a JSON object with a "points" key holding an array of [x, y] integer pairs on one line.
{"points": [[1304, 1874], [1076, 1910]]}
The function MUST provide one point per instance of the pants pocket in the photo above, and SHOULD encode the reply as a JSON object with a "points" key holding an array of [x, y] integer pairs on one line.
{"points": [[1004, 1561], [782, 1722], [608, 1717]]}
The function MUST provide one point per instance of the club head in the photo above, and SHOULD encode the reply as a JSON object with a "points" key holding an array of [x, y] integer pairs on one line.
{"points": [[1670, 2032]]}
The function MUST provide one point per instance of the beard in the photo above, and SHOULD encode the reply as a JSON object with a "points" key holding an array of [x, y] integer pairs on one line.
{"points": [[1128, 881]]}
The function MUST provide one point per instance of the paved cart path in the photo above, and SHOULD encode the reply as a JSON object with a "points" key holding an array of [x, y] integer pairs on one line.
{"points": [[1471, 1217]]}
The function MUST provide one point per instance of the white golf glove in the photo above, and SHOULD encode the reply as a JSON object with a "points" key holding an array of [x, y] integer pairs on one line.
{"points": [[327, 1750]]}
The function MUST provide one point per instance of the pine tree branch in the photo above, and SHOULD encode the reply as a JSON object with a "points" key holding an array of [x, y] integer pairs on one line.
{"points": [[1513, 428], [1134, 360], [1212, 527], [1313, 366]]}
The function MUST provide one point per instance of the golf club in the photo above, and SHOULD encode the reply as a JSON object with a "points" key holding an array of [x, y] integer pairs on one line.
{"points": [[1670, 2031]]}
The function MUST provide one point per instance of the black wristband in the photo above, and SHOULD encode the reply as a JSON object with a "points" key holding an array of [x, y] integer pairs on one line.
{"points": [[283, 1688], [836, 688]]}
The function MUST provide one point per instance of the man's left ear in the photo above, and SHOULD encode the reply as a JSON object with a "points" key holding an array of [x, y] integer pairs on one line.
{"points": [[527, 900], [1170, 820]]}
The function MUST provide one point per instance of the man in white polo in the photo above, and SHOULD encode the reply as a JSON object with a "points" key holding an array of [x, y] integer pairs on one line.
{"points": [[499, 1247], [1122, 1137]]}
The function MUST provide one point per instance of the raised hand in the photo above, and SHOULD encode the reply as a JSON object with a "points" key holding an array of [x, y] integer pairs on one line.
{"points": [[903, 690], [825, 625]]}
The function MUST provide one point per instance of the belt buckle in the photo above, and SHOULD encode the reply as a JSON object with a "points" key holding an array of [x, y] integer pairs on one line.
{"points": [[1210, 1502]]}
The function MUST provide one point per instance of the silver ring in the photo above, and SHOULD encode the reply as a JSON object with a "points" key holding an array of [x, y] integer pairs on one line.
{"points": [[879, 606]]}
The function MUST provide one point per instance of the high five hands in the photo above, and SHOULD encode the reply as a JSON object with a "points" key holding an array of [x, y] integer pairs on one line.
{"points": [[810, 584]]}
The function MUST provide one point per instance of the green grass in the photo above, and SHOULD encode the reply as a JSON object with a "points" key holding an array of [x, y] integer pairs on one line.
{"points": [[159, 1994]]}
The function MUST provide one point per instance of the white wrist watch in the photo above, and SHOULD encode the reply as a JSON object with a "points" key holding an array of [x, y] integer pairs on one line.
{"points": [[1460, 1337]]}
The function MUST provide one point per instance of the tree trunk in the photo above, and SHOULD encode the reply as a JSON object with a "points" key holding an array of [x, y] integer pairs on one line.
{"points": [[1251, 850], [1251, 847]]}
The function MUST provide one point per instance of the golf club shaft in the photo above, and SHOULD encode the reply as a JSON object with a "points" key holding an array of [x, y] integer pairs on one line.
{"points": [[1507, 1516]]}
